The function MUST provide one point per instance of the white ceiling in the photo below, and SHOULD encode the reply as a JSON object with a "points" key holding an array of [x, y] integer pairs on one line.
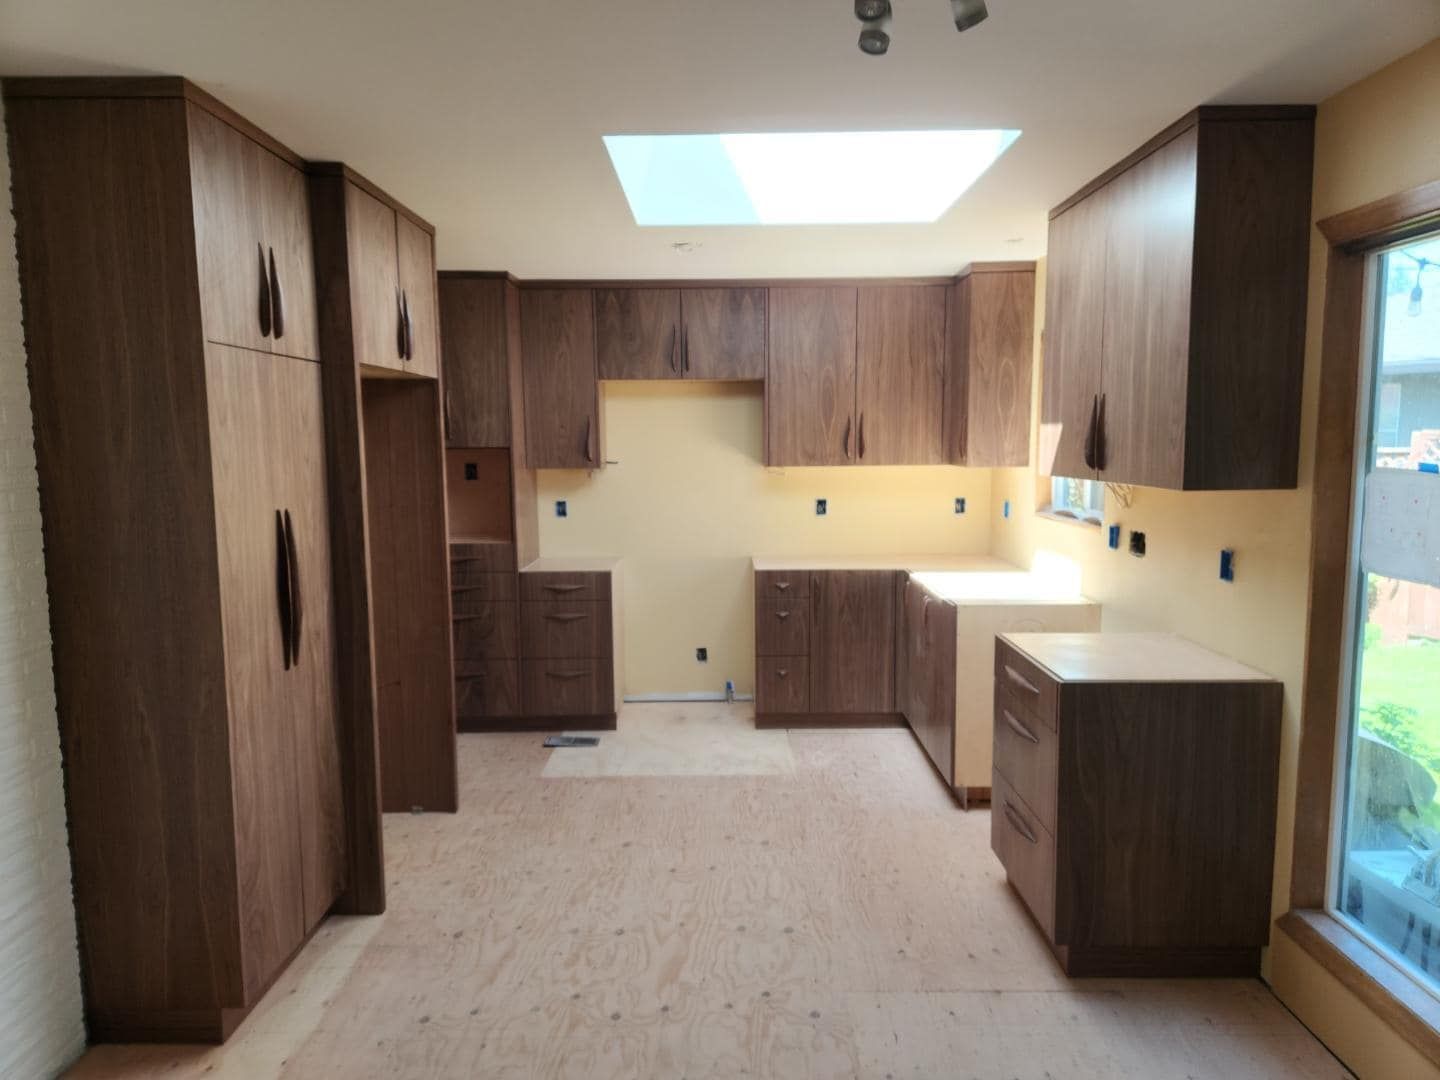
{"points": [[486, 117]]}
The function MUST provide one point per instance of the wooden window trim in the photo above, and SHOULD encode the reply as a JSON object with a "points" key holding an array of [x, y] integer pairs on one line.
{"points": [[1387, 991]]}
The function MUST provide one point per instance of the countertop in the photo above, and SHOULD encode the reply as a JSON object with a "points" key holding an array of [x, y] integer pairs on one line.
{"points": [[911, 563], [1131, 658], [572, 564], [961, 579]]}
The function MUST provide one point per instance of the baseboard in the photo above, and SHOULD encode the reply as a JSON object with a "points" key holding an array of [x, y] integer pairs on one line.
{"points": [[493, 725], [688, 695], [800, 721], [972, 797]]}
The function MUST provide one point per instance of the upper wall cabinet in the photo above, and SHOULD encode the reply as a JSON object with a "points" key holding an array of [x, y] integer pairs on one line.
{"points": [[1175, 317], [480, 319], [673, 333], [252, 236], [856, 375], [562, 404], [391, 269], [988, 375]]}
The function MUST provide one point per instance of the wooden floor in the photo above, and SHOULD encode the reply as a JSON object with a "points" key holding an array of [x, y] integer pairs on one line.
{"points": [[841, 919]]}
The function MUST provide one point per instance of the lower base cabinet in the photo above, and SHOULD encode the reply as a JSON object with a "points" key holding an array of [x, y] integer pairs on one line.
{"points": [[1133, 806]]}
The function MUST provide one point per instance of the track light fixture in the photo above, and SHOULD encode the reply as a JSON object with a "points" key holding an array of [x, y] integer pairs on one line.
{"points": [[875, 16]]}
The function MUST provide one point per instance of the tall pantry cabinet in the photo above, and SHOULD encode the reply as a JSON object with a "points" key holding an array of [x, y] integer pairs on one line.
{"points": [[168, 289]]}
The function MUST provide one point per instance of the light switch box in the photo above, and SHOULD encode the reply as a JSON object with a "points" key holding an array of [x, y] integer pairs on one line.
{"points": [[959, 506], [562, 509], [821, 507]]}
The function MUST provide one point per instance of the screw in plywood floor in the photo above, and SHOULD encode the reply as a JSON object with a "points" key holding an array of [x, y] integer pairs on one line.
{"points": [[819, 909]]}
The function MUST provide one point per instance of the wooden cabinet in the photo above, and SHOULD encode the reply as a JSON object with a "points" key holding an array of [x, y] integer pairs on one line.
{"points": [[1176, 308], [810, 386], [852, 641], [1134, 800], [900, 375], [989, 365], [480, 317], [252, 241], [674, 333], [391, 269], [562, 404], [856, 375], [569, 646], [925, 672], [188, 550]]}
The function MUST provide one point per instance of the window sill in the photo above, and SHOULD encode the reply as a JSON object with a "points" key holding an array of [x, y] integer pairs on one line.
{"points": [[1065, 518], [1385, 989]]}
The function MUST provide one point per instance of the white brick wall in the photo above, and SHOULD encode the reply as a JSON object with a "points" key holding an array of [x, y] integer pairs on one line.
{"points": [[41, 1024]]}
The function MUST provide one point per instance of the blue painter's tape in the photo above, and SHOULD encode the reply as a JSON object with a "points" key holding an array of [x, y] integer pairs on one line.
{"points": [[1115, 537], [1429, 466], [1227, 565], [1007, 508]]}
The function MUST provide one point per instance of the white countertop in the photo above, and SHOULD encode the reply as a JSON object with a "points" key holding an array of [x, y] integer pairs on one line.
{"points": [[1008, 587], [911, 563], [1131, 658]]}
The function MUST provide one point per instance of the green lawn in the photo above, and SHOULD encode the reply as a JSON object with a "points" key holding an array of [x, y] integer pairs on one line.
{"points": [[1400, 702]]}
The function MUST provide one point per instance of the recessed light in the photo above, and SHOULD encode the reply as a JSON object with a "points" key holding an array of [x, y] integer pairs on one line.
{"points": [[801, 178]]}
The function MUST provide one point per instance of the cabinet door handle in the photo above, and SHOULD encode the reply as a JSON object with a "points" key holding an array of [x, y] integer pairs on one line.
{"points": [[563, 588], [1019, 728], [685, 351], [566, 616], [846, 441], [277, 301], [1018, 823], [1016, 679], [862, 436], [567, 675], [283, 596], [589, 455], [409, 327], [1090, 431], [1100, 455], [297, 605], [264, 292], [399, 323], [675, 349]]}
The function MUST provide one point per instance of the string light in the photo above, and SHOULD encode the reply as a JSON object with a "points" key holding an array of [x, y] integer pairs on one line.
{"points": [[1417, 294]]}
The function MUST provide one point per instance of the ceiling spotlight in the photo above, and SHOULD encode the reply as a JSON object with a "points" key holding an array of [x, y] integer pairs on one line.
{"points": [[875, 33], [967, 13]]}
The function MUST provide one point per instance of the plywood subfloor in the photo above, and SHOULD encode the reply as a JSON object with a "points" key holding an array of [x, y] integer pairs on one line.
{"points": [[840, 920]]}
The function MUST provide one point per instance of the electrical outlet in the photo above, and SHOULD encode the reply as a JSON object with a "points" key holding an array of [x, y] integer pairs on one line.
{"points": [[472, 471], [562, 508], [702, 654], [1227, 565], [1114, 538], [959, 506], [822, 507], [1137, 544]]}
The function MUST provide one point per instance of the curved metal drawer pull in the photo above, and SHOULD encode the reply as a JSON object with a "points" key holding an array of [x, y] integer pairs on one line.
{"points": [[566, 674], [784, 673], [782, 614], [1020, 680], [563, 588], [1019, 728], [782, 585], [566, 616], [1018, 823]]}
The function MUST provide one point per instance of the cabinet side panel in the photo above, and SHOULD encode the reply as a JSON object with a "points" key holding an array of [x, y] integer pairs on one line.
{"points": [[1248, 307], [106, 247]]}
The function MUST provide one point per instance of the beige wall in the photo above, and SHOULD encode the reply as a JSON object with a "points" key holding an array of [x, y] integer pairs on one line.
{"points": [[1373, 139], [689, 503]]}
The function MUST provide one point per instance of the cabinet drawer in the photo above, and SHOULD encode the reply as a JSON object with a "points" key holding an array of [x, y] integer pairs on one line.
{"points": [[581, 586], [492, 557], [1027, 754], [782, 684], [468, 586], [560, 629], [1026, 849], [487, 630], [567, 687], [782, 628], [782, 584], [1031, 685], [487, 688]]}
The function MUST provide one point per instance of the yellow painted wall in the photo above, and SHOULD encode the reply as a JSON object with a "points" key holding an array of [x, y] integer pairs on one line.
{"points": [[690, 502], [1373, 139]]}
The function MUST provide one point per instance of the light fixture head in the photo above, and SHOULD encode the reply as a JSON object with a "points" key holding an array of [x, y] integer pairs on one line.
{"points": [[874, 41], [968, 13], [872, 10], [1417, 295]]}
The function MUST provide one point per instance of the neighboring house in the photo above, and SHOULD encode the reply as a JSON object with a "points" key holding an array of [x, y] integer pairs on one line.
{"points": [[1408, 424]]}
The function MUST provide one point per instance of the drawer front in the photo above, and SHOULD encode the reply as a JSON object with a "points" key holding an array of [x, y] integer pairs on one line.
{"points": [[782, 584], [1026, 849], [468, 586], [492, 558], [489, 630], [782, 628], [487, 688], [567, 687], [782, 684], [1031, 685], [548, 586], [565, 629], [1027, 754]]}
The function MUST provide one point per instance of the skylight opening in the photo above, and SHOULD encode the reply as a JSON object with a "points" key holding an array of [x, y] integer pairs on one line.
{"points": [[801, 178]]}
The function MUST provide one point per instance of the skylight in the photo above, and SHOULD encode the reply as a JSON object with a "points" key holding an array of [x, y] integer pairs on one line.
{"points": [[803, 178]]}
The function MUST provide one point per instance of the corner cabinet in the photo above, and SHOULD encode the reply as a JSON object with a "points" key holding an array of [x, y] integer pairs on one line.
{"points": [[1175, 313], [989, 365], [562, 394], [171, 326]]}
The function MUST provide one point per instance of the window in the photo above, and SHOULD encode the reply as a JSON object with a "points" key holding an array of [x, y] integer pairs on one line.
{"points": [[1083, 500], [1385, 871]]}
